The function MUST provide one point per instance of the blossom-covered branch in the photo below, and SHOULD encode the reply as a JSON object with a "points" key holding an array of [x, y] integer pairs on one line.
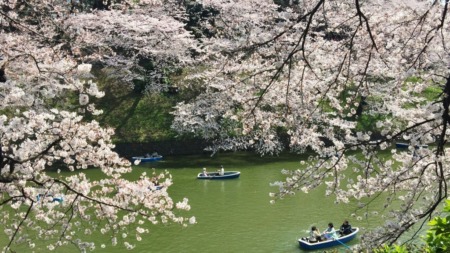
{"points": [[46, 140], [328, 78]]}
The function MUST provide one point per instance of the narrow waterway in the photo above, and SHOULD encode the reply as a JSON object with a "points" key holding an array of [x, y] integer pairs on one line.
{"points": [[232, 215], [235, 215]]}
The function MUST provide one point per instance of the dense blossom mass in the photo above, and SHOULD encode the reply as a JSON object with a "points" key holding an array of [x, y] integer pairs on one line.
{"points": [[327, 78], [322, 77], [48, 137]]}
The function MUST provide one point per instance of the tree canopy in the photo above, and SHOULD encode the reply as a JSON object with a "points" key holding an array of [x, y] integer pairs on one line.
{"points": [[305, 73], [311, 72], [47, 121]]}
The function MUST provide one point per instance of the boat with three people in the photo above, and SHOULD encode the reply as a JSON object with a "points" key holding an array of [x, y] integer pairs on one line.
{"points": [[339, 240]]}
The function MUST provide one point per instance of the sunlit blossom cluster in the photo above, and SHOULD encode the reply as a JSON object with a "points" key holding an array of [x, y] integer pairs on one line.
{"points": [[300, 76], [47, 142], [313, 71]]}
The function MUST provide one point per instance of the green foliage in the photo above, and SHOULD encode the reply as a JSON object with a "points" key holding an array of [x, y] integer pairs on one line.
{"points": [[392, 249], [432, 92], [438, 236], [136, 116], [367, 122]]}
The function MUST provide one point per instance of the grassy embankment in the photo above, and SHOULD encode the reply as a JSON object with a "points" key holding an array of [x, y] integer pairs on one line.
{"points": [[139, 116]]}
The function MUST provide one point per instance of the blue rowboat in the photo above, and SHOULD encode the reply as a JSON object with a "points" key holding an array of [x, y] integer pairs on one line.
{"points": [[401, 145], [145, 159], [406, 145], [305, 244], [49, 197], [217, 175]]}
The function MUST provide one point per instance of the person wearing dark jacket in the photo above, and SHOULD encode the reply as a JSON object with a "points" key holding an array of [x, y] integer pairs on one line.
{"points": [[346, 228]]}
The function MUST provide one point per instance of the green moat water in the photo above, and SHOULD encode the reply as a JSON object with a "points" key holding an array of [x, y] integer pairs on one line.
{"points": [[234, 215]]}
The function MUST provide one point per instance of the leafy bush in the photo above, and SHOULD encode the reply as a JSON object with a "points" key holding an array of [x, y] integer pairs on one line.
{"points": [[392, 249], [438, 236]]}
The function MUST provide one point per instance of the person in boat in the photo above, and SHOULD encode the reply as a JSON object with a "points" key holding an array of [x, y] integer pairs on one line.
{"points": [[221, 171], [204, 172], [346, 228], [330, 232], [155, 181], [314, 235]]}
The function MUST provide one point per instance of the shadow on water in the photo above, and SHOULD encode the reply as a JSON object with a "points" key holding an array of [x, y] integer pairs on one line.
{"points": [[229, 159]]}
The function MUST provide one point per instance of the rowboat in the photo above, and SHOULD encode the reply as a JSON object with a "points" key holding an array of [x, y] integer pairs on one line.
{"points": [[305, 244], [217, 175], [402, 145], [49, 198], [147, 158]]}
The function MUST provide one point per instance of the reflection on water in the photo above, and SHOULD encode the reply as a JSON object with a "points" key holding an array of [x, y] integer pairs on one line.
{"points": [[222, 186]]}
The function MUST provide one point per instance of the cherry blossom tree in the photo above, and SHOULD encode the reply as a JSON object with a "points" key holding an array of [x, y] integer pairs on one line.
{"points": [[47, 52], [314, 71]]}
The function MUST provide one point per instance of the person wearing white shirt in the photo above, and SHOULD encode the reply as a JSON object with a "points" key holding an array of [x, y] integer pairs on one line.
{"points": [[330, 232]]}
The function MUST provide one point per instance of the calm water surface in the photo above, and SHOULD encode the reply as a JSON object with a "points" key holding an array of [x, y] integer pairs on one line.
{"points": [[235, 215]]}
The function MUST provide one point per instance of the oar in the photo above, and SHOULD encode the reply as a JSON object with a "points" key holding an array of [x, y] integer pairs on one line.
{"points": [[345, 245]]}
